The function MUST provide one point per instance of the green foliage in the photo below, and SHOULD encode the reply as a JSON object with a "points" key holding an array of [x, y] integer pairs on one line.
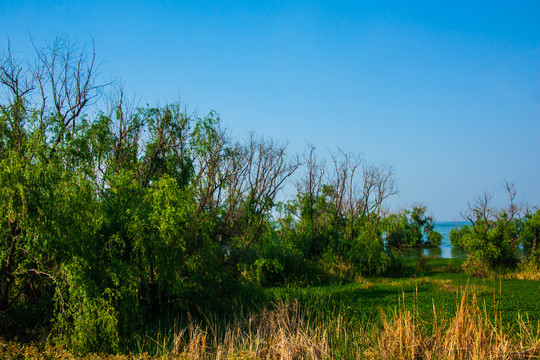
{"points": [[530, 237], [458, 236], [368, 252], [494, 244], [493, 237], [434, 238], [101, 215], [411, 228], [318, 225]]}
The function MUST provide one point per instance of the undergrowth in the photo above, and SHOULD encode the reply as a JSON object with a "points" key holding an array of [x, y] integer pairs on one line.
{"points": [[286, 330]]}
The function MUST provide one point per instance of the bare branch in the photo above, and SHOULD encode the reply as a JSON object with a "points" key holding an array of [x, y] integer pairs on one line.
{"points": [[66, 74]]}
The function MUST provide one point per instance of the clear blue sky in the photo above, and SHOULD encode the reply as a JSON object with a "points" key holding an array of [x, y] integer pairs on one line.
{"points": [[448, 94]]}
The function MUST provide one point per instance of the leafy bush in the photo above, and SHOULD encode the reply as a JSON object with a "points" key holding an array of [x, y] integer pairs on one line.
{"points": [[458, 236], [530, 237], [411, 228], [494, 236], [434, 238], [368, 253]]}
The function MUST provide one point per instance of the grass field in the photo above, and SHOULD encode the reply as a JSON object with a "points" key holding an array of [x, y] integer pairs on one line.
{"points": [[438, 285]]}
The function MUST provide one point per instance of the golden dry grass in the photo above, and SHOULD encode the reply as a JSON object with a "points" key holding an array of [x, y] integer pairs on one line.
{"points": [[527, 271], [281, 333], [469, 334]]}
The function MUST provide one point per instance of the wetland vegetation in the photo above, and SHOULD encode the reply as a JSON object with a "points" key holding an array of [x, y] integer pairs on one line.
{"points": [[154, 232]]}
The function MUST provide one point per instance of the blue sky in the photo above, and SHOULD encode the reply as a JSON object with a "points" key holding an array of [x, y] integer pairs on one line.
{"points": [[446, 94]]}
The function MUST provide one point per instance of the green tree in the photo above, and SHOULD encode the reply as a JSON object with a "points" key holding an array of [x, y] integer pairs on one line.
{"points": [[530, 236], [434, 238], [492, 238], [411, 228]]}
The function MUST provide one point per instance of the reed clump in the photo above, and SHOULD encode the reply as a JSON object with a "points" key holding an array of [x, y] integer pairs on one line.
{"points": [[283, 332], [471, 333]]}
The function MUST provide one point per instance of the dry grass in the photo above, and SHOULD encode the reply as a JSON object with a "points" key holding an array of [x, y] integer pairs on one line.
{"points": [[526, 271], [469, 334], [281, 333]]}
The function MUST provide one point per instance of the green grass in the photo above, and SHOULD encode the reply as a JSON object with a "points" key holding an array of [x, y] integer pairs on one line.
{"points": [[437, 285]]}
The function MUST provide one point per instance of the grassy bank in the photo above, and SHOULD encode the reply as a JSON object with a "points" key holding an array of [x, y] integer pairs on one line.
{"points": [[433, 311], [288, 331], [437, 283]]}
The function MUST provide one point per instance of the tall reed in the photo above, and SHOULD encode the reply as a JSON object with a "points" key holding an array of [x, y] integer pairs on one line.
{"points": [[469, 334]]}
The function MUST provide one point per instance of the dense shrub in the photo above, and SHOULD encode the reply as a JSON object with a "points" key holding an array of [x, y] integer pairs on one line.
{"points": [[411, 228], [493, 238], [530, 237]]}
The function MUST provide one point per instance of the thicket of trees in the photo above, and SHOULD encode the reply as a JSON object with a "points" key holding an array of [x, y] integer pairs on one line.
{"points": [[112, 215], [499, 238]]}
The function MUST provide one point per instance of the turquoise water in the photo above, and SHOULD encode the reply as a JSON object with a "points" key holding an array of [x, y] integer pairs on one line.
{"points": [[445, 251]]}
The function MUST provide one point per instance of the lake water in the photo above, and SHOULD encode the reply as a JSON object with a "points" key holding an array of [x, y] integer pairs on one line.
{"points": [[445, 251]]}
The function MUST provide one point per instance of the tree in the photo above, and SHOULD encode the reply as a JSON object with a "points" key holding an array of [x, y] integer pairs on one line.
{"points": [[493, 235], [41, 156], [530, 236], [411, 228], [339, 211]]}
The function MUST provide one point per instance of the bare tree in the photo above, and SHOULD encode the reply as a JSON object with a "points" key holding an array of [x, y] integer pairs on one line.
{"points": [[378, 186], [67, 81], [513, 210], [16, 83], [214, 170], [255, 173], [483, 216], [310, 185], [126, 129], [268, 169], [345, 188], [312, 181], [360, 193]]}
